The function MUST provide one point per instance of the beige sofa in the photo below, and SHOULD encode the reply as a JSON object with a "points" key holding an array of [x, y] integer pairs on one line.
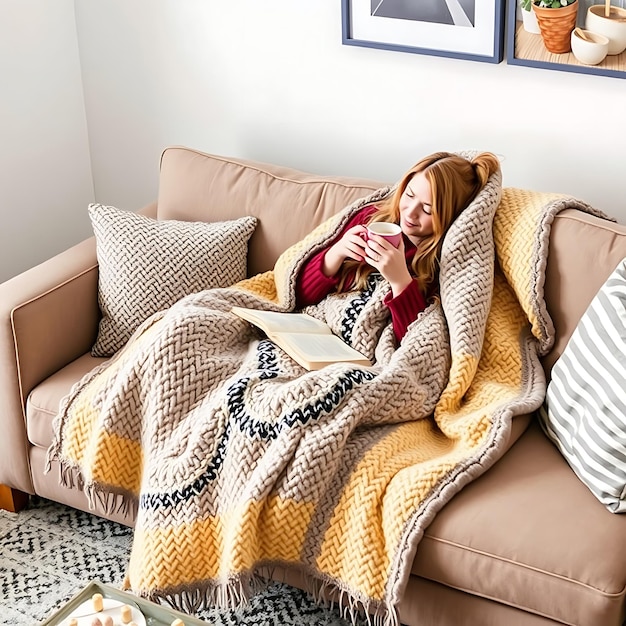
{"points": [[525, 544]]}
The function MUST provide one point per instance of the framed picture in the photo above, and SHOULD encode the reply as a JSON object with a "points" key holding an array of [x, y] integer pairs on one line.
{"points": [[462, 29], [525, 44]]}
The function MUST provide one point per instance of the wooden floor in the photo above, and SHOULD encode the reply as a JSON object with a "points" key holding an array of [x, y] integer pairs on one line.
{"points": [[530, 46]]}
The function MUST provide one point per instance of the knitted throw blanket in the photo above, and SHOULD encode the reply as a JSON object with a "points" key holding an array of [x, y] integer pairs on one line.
{"points": [[238, 460]]}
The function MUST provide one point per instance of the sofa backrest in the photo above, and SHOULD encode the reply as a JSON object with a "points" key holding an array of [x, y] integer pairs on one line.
{"points": [[194, 186], [583, 252]]}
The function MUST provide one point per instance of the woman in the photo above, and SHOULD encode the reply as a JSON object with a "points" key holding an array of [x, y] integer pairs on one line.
{"points": [[427, 200]]}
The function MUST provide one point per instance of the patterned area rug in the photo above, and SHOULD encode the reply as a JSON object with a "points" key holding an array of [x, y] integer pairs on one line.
{"points": [[49, 552]]}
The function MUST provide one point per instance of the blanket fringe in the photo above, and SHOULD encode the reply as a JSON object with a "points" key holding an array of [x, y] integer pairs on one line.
{"points": [[231, 595], [104, 497], [329, 593], [111, 502], [236, 593]]}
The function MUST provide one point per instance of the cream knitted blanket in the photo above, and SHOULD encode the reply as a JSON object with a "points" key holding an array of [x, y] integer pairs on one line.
{"points": [[238, 460]]}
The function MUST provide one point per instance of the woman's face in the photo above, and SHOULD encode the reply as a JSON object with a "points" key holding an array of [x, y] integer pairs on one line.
{"points": [[416, 219]]}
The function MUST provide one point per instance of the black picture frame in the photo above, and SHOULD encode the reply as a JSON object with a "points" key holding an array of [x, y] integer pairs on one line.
{"points": [[482, 41]]}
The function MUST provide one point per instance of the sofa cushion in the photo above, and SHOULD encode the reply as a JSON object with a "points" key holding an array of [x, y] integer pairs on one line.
{"points": [[43, 402], [585, 408], [529, 534], [147, 265]]}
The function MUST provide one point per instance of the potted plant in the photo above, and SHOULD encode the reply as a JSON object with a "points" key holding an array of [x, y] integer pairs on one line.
{"points": [[529, 19], [557, 20]]}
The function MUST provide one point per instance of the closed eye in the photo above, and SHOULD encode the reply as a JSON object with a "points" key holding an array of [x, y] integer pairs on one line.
{"points": [[427, 208]]}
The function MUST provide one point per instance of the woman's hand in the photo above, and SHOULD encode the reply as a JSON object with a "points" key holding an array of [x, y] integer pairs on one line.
{"points": [[389, 261], [350, 246]]}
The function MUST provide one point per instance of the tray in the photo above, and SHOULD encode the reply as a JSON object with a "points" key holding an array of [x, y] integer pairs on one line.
{"points": [[155, 614]]}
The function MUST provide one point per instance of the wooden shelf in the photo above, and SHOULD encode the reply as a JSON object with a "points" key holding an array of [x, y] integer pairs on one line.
{"points": [[530, 47]]}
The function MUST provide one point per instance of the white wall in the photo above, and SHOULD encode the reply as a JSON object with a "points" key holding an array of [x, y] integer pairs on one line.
{"points": [[271, 81], [45, 171]]}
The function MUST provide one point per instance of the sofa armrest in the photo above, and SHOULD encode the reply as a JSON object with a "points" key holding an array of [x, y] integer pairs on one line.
{"points": [[48, 317]]}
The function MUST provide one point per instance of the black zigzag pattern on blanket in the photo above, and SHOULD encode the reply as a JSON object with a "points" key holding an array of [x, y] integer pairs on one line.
{"points": [[356, 305], [268, 361], [246, 423]]}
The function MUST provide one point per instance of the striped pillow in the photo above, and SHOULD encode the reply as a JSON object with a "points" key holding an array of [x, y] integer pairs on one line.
{"points": [[585, 408]]}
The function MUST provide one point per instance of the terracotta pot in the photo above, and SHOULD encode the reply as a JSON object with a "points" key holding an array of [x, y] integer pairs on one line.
{"points": [[556, 26]]}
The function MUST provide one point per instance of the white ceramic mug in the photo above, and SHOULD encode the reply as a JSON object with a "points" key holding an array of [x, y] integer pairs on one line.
{"points": [[390, 231]]}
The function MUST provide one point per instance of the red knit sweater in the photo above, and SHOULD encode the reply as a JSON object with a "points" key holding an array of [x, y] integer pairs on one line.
{"points": [[312, 285]]}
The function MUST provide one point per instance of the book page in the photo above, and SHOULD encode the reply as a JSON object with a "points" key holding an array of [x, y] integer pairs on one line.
{"points": [[274, 322], [322, 348]]}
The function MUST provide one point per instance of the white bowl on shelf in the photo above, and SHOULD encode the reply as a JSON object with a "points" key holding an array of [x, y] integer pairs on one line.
{"points": [[591, 50], [613, 27]]}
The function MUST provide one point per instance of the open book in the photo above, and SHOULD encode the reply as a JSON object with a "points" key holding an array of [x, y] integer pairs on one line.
{"points": [[305, 339]]}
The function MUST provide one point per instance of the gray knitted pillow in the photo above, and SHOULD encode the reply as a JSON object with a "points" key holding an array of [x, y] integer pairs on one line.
{"points": [[146, 265]]}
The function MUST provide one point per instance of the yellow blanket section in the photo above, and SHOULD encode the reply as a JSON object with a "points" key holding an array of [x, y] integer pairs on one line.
{"points": [[519, 250], [408, 465], [220, 545], [105, 458], [517, 223]]}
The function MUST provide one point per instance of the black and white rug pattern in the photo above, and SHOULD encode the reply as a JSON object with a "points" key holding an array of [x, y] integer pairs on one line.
{"points": [[49, 552]]}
